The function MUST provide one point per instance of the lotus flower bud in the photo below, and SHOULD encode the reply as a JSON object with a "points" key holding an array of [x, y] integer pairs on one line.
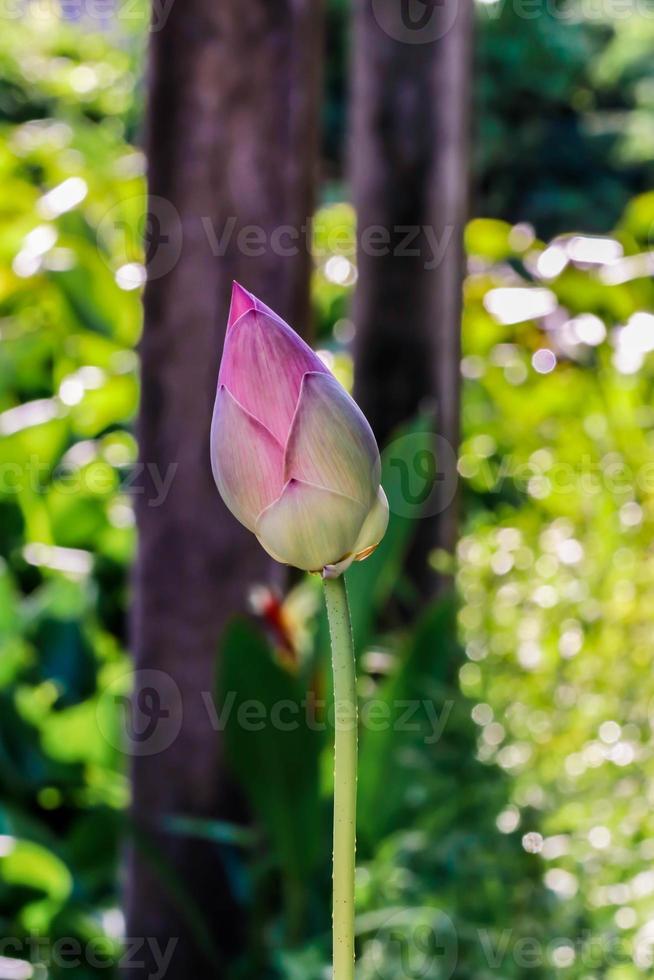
{"points": [[292, 455]]}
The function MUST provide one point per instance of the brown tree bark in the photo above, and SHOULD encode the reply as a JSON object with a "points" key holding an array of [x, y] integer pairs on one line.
{"points": [[231, 146], [410, 162]]}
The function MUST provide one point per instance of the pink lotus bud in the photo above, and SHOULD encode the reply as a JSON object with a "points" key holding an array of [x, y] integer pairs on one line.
{"points": [[292, 455]]}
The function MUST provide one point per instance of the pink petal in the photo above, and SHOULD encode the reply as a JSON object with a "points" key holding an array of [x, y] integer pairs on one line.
{"points": [[263, 364], [330, 443], [247, 461], [310, 527], [242, 302]]}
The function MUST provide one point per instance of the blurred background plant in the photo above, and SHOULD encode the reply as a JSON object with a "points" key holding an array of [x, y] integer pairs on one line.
{"points": [[531, 812]]}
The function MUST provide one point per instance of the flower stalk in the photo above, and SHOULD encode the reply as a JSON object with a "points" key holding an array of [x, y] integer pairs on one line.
{"points": [[345, 776], [296, 462]]}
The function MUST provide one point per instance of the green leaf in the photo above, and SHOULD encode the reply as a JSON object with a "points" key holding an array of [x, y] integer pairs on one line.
{"points": [[372, 582], [30, 865], [273, 750], [430, 658], [216, 831]]}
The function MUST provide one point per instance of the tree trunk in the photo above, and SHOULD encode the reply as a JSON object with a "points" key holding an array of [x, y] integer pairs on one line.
{"points": [[233, 93], [411, 120]]}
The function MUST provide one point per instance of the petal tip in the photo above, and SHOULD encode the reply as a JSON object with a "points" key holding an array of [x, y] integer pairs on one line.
{"points": [[242, 301]]}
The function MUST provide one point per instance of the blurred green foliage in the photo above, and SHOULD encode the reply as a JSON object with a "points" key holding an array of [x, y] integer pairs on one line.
{"points": [[68, 391], [563, 100], [563, 95], [543, 769], [556, 570], [513, 806]]}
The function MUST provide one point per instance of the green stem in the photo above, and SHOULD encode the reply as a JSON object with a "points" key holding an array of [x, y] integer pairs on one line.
{"points": [[345, 776]]}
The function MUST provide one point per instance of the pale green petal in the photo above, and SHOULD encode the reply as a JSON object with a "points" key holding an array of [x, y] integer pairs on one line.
{"points": [[374, 527], [330, 443], [310, 527]]}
